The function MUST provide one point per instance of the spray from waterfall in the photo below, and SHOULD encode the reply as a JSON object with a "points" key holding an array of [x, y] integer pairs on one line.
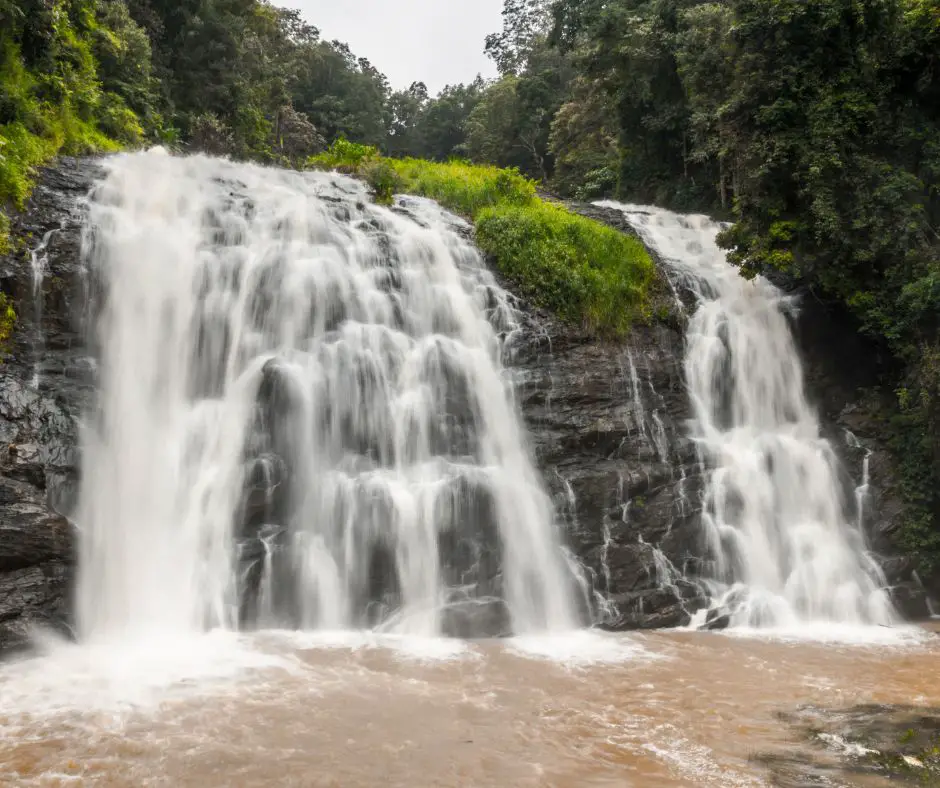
{"points": [[302, 419], [783, 543]]}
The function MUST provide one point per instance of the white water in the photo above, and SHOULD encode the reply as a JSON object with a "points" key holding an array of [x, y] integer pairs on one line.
{"points": [[39, 262], [302, 417], [784, 545]]}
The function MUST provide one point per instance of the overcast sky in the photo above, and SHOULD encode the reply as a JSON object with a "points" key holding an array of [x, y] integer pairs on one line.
{"points": [[438, 42]]}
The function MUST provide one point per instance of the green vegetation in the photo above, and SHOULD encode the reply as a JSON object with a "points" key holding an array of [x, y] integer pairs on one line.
{"points": [[7, 319], [465, 188], [581, 270], [52, 99]]}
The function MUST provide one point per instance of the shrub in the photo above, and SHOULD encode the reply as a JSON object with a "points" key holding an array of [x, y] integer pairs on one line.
{"points": [[382, 177], [7, 320], [581, 270], [5, 245], [343, 155]]}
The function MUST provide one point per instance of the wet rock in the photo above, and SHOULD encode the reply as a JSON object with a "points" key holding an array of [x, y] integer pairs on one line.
{"points": [[899, 744], [654, 608], [717, 620], [31, 598], [911, 601], [38, 426], [622, 471], [477, 618]]}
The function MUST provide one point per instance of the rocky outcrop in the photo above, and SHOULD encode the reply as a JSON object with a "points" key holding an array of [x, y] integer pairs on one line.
{"points": [[44, 384], [608, 426]]}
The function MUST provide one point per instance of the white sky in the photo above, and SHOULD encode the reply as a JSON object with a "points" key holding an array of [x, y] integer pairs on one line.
{"points": [[438, 42]]}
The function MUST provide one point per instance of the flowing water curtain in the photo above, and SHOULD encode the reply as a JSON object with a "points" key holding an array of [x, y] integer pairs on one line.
{"points": [[781, 541], [303, 416]]}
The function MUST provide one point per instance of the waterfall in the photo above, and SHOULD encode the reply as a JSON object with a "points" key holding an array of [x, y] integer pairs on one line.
{"points": [[302, 419], [783, 544]]}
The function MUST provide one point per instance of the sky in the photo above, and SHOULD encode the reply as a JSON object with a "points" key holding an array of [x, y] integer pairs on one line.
{"points": [[438, 42]]}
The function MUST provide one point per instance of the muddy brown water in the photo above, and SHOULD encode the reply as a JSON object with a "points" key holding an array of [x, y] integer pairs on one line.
{"points": [[659, 710]]}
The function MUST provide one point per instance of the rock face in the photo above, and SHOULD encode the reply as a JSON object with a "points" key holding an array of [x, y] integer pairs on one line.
{"points": [[44, 384], [608, 425]]}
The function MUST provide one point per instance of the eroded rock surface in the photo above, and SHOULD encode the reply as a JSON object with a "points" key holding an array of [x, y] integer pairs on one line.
{"points": [[44, 384]]}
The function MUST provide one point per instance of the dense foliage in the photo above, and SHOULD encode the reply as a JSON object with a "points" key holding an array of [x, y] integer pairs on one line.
{"points": [[583, 271]]}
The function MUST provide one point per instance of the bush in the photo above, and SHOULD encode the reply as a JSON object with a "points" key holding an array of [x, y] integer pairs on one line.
{"points": [[343, 155], [20, 152], [383, 179], [210, 135], [7, 320], [581, 270], [5, 246]]}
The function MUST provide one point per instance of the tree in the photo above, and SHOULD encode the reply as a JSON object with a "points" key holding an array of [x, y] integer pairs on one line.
{"points": [[443, 124], [405, 110], [526, 23]]}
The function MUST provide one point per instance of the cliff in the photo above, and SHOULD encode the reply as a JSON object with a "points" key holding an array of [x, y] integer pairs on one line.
{"points": [[607, 422]]}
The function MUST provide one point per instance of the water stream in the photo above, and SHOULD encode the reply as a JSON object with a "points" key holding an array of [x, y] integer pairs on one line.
{"points": [[781, 533], [302, 416]]}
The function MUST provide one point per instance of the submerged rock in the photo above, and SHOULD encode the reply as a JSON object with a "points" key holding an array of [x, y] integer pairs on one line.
{"points": [[899, 744]]}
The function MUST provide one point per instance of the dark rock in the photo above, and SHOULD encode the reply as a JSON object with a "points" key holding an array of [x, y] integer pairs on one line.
{"points": [[477, 618], [852, 746], [911, 601], [623, 473], [30, 598], [717, 620], [38, 434]]}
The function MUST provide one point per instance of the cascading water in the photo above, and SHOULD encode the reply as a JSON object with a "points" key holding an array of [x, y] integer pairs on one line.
{"points": [[302, 419], [782, 540]]}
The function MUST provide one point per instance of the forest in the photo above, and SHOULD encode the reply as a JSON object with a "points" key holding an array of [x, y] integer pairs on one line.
{"points": [[812, 126]]}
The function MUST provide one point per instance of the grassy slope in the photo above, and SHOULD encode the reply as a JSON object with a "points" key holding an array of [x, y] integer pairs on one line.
{"points": [[581, 270]]}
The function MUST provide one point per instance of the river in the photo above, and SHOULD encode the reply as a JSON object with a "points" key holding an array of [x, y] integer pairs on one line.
{"points": [[651, 711]]}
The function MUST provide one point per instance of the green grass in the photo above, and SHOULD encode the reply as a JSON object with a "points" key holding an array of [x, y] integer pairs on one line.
{"points": [[467, 189], [583, 271]]}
